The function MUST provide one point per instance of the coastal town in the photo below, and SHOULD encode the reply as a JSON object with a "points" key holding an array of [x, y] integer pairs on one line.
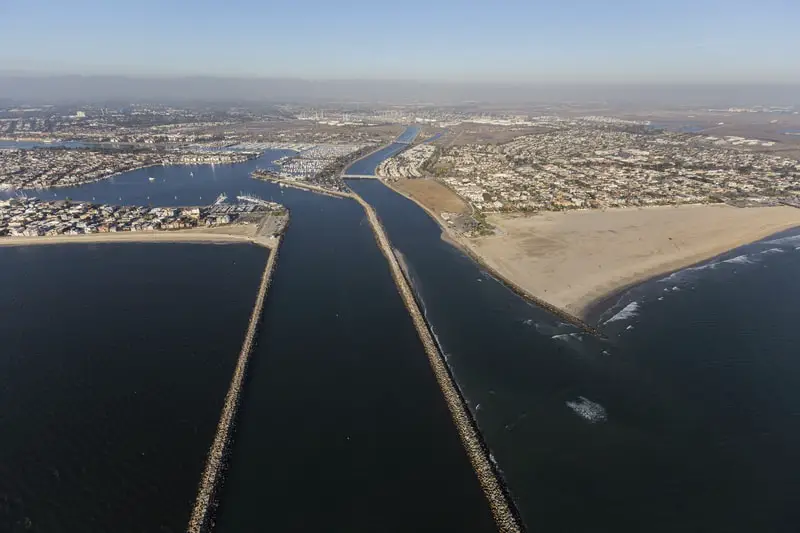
{"points": [[311, 160], [594, 163], [66, 167], [30, 217], [411, 163]]}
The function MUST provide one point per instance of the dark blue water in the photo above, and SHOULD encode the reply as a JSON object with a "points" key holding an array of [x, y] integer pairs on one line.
{"points": [[702, 394], [342, 425], [114, 364]]}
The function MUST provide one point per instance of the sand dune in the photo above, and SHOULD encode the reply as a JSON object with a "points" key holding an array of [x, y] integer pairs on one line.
{"points": [[572, 259]]}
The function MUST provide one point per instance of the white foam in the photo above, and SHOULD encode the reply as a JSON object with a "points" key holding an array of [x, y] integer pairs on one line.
{"points": [[676, 276], [773, 251], [567, 336], [739, 260], [528, 322], [589, 410], [786, 240], [629, 311]]}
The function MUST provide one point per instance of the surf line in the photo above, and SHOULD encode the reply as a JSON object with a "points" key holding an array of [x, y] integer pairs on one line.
{"points": [[503, 511], [210, 482]]}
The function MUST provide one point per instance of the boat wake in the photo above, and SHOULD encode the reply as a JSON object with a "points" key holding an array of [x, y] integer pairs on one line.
{"points": [[588, 410]]}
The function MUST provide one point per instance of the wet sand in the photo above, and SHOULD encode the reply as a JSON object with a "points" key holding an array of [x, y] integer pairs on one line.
{"points": [[574, 259]]}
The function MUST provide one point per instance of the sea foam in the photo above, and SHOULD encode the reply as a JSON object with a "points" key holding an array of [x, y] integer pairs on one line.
{"points": [[589, 410], [629, 311], [773, 251], [739, 260], [794, 239]]}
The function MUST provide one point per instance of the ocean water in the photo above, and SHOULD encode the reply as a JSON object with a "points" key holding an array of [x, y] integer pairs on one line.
{"points": [[114, 364], [342, 425], [685, 419]]}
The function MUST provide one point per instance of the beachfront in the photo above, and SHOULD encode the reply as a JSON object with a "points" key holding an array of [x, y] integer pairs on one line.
{"points": [[573, 259]]}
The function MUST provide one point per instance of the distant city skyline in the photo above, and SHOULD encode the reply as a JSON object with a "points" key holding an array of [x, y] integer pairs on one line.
{"points": [[575, 41]]}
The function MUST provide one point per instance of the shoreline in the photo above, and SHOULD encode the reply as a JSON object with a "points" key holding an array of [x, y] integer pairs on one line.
{"points": [[596, 308], [448, 236], [589, 308], [592, 305], [201, 236]]}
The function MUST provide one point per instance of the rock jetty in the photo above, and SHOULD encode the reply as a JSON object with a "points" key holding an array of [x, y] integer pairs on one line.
{"points": [[506, 517], [202, 513]]}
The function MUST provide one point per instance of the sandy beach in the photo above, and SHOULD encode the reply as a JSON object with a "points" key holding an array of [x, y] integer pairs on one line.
{"points": [[572, 259], [218, 235]]}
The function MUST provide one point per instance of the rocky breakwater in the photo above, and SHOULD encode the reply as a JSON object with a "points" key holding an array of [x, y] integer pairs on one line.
{"points": [[499, 501], [202, 513]]}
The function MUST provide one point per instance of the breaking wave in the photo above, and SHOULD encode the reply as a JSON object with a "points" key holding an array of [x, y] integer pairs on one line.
{"points": [[629, 311], [589, 410], [567, 336], [794, 239], [773, 251], [739, 260], [675, 276]]}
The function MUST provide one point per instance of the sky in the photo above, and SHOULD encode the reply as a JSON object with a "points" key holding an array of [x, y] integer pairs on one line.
{"points": [[531, 41]]}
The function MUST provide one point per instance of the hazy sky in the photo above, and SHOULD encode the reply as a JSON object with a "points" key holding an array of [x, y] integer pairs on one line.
{"points": [[449, 40]]}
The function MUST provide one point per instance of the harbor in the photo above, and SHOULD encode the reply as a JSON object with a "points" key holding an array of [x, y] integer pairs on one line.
{"points": [[286, 373]]}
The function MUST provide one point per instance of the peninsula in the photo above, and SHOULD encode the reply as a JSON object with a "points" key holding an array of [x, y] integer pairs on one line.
{"points": [[587, 207], [29, 221]]}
